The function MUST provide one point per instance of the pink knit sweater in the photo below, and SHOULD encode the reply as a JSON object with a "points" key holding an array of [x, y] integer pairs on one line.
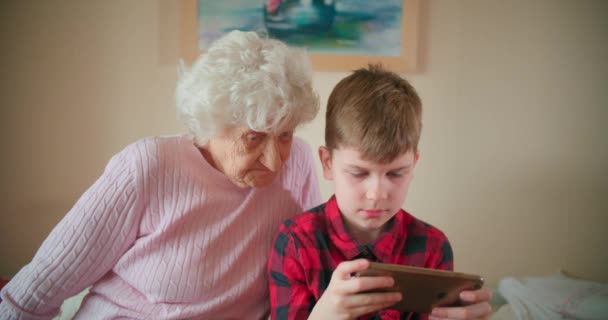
{"points": [[163, 235]]}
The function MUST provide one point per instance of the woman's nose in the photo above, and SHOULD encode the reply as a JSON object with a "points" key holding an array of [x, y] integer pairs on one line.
{"points": [[271, 157]]}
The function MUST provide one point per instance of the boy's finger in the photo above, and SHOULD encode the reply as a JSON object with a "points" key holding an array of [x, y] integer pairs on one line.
{"points": [[362, 284], [346, 268], [469, 312], [375, 298], [480, 295], [365, 305]]}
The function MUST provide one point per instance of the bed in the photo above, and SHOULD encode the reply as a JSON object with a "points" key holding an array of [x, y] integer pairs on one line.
{"points": [[557, 296], [503, 310]]}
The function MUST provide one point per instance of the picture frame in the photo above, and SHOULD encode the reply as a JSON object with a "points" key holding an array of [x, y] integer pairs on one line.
{"points": [[405, 61]]}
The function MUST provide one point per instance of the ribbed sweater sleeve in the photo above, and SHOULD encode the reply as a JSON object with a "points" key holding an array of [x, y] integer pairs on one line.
{"points": [[310, 192], [85, 244]]}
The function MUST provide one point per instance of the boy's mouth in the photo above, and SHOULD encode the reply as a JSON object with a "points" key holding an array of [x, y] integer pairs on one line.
{"points": [[372, 213]]}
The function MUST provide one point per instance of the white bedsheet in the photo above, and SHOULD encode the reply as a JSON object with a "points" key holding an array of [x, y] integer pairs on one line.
{"points": [[555, 297], [70, 306]]}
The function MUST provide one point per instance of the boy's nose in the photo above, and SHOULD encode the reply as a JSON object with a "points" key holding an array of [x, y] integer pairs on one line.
{"points": [[377, 191], [271, 157]]}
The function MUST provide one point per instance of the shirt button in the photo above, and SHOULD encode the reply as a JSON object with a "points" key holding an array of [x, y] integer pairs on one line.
{"points": [[367, 255]]}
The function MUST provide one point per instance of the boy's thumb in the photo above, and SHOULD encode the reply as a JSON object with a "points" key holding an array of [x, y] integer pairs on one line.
{"points": [[345, 269]]}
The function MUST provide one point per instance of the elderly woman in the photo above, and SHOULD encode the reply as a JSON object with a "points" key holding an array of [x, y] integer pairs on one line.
{"points": [[180, 227]]}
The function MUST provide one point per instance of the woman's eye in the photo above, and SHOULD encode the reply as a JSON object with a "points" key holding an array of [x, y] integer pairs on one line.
{"points": [[254, 137], [286, 134]]}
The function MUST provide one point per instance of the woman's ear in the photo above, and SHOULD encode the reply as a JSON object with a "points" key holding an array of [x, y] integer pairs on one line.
{"points": [[325, 157]]}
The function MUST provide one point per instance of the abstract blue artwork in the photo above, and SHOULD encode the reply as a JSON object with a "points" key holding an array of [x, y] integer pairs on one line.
{"points": [[329, 27]]}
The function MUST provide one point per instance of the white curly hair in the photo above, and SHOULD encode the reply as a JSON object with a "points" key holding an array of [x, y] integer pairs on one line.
{"points": [[246, 79]]}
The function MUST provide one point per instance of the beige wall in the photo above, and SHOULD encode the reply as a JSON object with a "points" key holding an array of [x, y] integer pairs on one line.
{"points": [[514, 150]]}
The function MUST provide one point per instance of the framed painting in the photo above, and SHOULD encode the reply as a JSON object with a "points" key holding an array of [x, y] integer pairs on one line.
{"points": [[340, 35]]}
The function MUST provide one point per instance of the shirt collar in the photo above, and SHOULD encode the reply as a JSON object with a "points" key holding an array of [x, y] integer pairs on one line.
{"points": [[381, 250]]}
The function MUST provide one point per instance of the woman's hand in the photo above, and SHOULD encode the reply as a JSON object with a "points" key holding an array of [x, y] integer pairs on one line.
{"points": [[475, 306], [346, 298]]}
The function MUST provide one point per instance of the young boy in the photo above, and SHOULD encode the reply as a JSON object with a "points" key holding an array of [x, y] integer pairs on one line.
{"points": [[373, 125]]}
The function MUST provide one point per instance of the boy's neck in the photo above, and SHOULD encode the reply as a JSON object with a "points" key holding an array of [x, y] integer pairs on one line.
{"points": [[363, 237]]}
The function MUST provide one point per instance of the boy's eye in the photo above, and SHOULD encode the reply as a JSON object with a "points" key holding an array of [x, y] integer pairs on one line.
{"points": [[395, 174], [358, 174]]}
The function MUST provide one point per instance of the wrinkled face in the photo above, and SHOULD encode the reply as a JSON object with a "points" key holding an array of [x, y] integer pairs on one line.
{"points": [[249, 158], [368, 193]]}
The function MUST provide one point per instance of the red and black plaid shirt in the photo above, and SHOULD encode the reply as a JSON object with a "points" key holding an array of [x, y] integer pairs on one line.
{"points": [[310, 246]]}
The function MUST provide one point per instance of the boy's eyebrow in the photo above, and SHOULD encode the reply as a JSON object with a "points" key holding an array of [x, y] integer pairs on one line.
{"points": [[356, 167], [352, 166], [402, 168]]}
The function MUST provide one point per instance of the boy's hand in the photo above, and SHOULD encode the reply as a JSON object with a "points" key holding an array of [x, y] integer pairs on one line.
{"points": [[475, 306], [344, 297]]}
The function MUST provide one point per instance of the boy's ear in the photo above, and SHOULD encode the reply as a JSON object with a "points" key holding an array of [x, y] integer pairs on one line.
{"points": [[325, 157]]}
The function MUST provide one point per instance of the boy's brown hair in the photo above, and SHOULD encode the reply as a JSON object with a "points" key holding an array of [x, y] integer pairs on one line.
{"points": [[375, 111]]}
